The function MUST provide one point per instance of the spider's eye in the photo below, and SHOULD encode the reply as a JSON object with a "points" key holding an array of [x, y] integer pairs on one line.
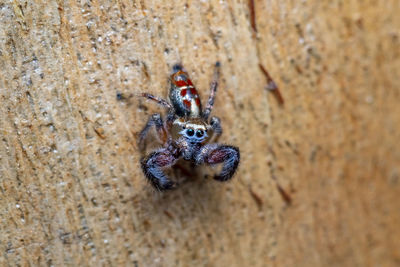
{"points": [[190, 132], [199, 133]]}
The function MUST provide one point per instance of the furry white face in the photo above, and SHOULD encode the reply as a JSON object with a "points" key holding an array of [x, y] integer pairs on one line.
{"points": [[195, 131]]}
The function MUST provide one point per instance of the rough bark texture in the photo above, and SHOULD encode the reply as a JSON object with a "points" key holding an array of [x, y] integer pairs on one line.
{"points": [[319, 180]]}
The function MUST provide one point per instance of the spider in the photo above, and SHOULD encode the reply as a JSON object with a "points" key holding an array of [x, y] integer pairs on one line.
{"points": [[186, 133]]}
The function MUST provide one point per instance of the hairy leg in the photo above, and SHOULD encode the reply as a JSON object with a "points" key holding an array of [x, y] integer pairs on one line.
{"points": [[214, 154], [216, 126], [213, 90], [154, 120], [156, 99], [170, 119], [153, 166]]}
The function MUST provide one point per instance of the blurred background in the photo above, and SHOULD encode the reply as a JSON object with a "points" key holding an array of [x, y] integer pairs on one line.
{"points": [[318, 183]]}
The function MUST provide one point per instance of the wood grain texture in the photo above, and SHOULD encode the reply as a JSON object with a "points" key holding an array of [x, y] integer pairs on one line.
{"points": [[72, 192]]}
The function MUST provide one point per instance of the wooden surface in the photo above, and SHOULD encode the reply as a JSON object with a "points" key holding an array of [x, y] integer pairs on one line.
{"points": [[72, 193]]}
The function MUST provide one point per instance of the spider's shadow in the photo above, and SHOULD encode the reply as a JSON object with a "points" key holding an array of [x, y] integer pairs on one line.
{"points": [[197, 197]]}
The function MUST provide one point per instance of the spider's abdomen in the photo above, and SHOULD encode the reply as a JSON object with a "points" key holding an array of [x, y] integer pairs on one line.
{"points": [[183, 94]]}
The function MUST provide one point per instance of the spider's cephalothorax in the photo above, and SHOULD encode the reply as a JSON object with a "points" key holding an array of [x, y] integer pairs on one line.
{"points": [[186, 133]]}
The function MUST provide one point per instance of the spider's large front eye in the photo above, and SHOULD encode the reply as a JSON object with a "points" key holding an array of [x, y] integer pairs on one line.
{"points": [[199, 133], [190, 132]]}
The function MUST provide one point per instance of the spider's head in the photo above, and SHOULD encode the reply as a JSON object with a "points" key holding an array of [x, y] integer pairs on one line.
{"points": [[193, 130], [194, 134]]}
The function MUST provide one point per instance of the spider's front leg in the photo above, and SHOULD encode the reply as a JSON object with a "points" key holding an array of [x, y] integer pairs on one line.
{"points": [[153, 166], [216, 127], [154, 120], [214, 154]]}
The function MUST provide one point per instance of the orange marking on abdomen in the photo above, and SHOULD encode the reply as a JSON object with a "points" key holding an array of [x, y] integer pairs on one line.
{"points": [[180, 83], [187, 103], [183, 92], [193, 91]]}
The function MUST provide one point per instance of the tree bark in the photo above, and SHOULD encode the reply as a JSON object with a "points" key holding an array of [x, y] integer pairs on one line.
{"points": [[318, 183]]}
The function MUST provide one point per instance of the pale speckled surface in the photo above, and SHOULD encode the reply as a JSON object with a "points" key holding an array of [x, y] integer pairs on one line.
{"points": [[72, 193]]}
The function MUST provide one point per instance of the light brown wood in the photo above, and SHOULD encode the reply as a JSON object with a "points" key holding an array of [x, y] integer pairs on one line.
{"points": [[318, 183]]}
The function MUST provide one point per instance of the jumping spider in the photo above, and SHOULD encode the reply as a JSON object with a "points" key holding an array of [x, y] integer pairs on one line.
{"points": [[186, 133]]}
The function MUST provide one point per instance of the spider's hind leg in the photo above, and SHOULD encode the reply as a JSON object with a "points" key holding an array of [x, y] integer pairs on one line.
{"points": [[156, 99], [213, 91]]}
